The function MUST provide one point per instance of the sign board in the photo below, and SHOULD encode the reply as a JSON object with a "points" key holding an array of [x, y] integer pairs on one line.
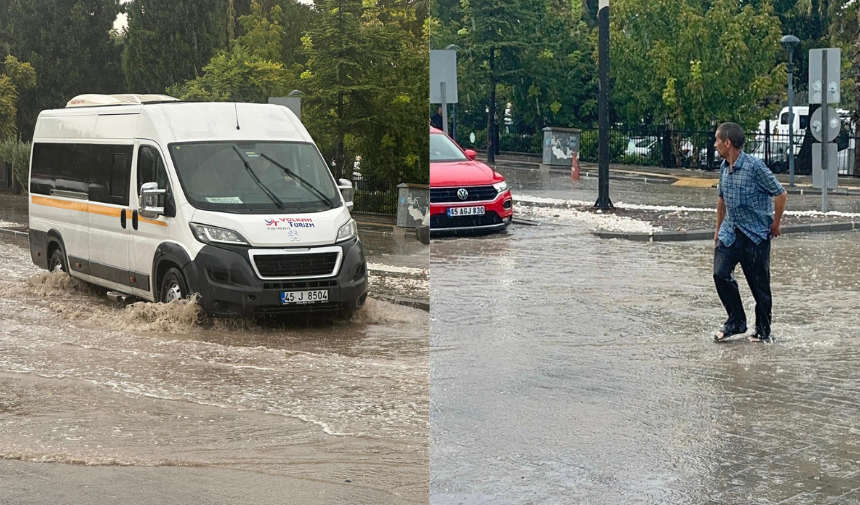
{"points": [[294, 103], [830, 87], [832, 172], [834, 125], [443, 68]]}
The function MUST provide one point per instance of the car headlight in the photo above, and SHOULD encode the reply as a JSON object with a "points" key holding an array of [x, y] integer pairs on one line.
{"points": [[347, 231], [500, 186], [208, 234]]}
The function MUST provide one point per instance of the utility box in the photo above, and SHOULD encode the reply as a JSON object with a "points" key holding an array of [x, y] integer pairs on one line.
{"points": [[413, 205], [559, 144]]}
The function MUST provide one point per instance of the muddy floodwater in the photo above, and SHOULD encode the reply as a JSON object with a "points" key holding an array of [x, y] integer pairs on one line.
{"points": [[569, 369], [158, 404]]}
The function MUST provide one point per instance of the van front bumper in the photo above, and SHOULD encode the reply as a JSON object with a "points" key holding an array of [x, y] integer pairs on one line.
{"points": [[228, 285]]}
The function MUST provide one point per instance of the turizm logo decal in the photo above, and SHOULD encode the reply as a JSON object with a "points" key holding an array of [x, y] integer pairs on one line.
{"points": [[282, 223]]}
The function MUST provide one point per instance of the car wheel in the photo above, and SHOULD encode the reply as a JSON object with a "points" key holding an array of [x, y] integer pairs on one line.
{"points": [[173, 286], [57, 263]]}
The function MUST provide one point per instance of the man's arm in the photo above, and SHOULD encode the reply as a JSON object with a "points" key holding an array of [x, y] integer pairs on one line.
{"points": [[778, 208], [721, 215]]}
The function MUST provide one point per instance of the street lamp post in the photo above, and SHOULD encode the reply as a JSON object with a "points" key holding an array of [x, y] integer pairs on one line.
{"points": [[788, 42], [453, 47], [711, 140]]}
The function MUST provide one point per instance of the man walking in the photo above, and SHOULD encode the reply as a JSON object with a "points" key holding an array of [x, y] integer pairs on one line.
{"points": [[749, 211]]}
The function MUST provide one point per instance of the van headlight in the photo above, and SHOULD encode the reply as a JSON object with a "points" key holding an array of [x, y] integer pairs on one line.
{"points": [[347, 231], [500, 186], [208, 234]]}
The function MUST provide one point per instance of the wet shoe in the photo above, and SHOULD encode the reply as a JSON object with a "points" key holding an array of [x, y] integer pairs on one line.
{"points": [[758, 337], [725, 333]]}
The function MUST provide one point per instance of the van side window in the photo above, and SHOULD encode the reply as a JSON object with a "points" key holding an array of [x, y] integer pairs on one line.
{"points": [[96, 171], [109, 171], [150, 168]]}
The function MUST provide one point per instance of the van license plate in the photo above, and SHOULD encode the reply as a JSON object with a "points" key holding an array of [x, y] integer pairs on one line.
{"points": [[312, 296], [466, 211]]}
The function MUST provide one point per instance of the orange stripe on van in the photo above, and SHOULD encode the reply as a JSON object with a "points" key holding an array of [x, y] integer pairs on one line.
{"points": [[91, 208]]}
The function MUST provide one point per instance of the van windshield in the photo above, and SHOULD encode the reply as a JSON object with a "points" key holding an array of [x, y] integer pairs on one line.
{"points": [[254, 176]]}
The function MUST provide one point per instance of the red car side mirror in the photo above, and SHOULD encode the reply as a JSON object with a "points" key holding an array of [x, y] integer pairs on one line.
{"points": [[471, 154]]}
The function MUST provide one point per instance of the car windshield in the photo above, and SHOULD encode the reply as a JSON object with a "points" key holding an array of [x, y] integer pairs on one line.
{"points": [[442, 148], [254, 176]]}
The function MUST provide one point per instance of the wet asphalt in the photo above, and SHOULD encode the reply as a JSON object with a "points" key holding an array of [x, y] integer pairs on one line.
{"points": [[570, 369]]}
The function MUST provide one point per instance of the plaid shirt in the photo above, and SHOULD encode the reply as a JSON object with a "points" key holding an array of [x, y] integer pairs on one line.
{"points": [[748, 190]]}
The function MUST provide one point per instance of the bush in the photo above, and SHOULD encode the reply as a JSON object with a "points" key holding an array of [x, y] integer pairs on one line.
{"points": [[18, 154]]}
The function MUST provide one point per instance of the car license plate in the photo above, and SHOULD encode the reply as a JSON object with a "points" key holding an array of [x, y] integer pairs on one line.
{"points": [[466, 211], [312, 296]]}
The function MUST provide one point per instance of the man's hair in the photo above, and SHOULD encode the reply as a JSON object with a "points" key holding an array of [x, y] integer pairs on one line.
{"points": [[733, 132]]}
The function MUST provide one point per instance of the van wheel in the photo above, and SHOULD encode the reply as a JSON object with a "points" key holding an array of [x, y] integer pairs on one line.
{"points": [[57, 263], [173, 286]]}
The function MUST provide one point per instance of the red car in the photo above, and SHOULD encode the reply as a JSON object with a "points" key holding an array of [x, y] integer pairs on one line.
{"points": [[465, 194]]}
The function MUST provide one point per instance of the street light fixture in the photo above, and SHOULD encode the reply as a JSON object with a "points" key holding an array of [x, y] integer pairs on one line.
{"points": [[789, 42]]}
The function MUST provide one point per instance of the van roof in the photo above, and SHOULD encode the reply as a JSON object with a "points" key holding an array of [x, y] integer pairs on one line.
{"points": [[91, 100], [175, 121]]}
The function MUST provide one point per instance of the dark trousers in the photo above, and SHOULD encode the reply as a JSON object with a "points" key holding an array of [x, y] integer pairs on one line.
{"points": [[755, 262]]}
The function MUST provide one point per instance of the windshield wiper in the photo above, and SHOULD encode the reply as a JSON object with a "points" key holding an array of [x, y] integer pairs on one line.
{"points": [[257, 179], [305, 183]]}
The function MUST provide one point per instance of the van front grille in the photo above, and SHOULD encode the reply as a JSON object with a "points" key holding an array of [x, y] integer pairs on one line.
{"points": [[296, 265]]}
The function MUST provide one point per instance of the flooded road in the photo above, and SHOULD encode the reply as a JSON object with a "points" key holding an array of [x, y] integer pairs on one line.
{"points": [[170, 405], [569, 369]]}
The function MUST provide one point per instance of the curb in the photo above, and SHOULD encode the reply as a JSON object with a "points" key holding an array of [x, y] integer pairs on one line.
{"points": [[525, 222], [14, 233], [408, 302], [687, 236], [816, 191]]}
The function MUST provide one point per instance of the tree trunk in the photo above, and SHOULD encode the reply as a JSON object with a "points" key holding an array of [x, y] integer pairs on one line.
{"points": [[491, 111], [16, 186]]}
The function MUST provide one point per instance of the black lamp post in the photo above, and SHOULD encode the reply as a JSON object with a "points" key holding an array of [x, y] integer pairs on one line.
{"points": [[788, 42], [711, 140], [453, 47]]}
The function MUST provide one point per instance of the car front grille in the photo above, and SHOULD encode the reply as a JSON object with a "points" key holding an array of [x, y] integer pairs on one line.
{"points": [[296, 265], [443, 221], [476, 194]]}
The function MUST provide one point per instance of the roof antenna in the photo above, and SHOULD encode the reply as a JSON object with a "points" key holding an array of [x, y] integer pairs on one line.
{"points": [[236, 108]]}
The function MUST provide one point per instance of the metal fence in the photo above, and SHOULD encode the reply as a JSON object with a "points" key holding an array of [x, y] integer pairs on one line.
{"points": [[375, 197], [689, 149]]}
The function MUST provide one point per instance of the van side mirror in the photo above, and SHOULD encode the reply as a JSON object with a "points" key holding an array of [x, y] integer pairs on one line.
{"points": [[347, 191], [148, 200], [471, 154]]}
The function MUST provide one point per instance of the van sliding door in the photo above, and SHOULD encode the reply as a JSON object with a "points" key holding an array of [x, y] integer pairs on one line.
{"points": [[109, 213]]}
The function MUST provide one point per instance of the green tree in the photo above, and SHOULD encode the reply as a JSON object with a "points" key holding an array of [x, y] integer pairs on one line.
{"points": [[16, 153], [689, 61], [340, 53], [169, 41], [394, 146], [496, 37], [250, 71], [68, 43], [15, 76]]}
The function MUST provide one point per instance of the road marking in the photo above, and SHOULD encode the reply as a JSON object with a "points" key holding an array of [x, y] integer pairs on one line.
{"points": [[694, 182]]}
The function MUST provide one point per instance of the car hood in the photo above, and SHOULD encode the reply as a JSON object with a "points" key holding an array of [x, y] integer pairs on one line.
{"points": [[461, 173]]}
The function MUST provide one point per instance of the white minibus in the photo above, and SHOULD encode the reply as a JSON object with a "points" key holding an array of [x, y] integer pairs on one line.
{"points": [[158, 199]]}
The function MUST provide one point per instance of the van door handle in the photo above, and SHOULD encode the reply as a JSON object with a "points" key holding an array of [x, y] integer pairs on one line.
{"points": [[122, 218], [134, 219]]}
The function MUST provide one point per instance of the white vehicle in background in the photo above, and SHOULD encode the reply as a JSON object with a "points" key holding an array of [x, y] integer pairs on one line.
{"points": [[158, 199]]}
